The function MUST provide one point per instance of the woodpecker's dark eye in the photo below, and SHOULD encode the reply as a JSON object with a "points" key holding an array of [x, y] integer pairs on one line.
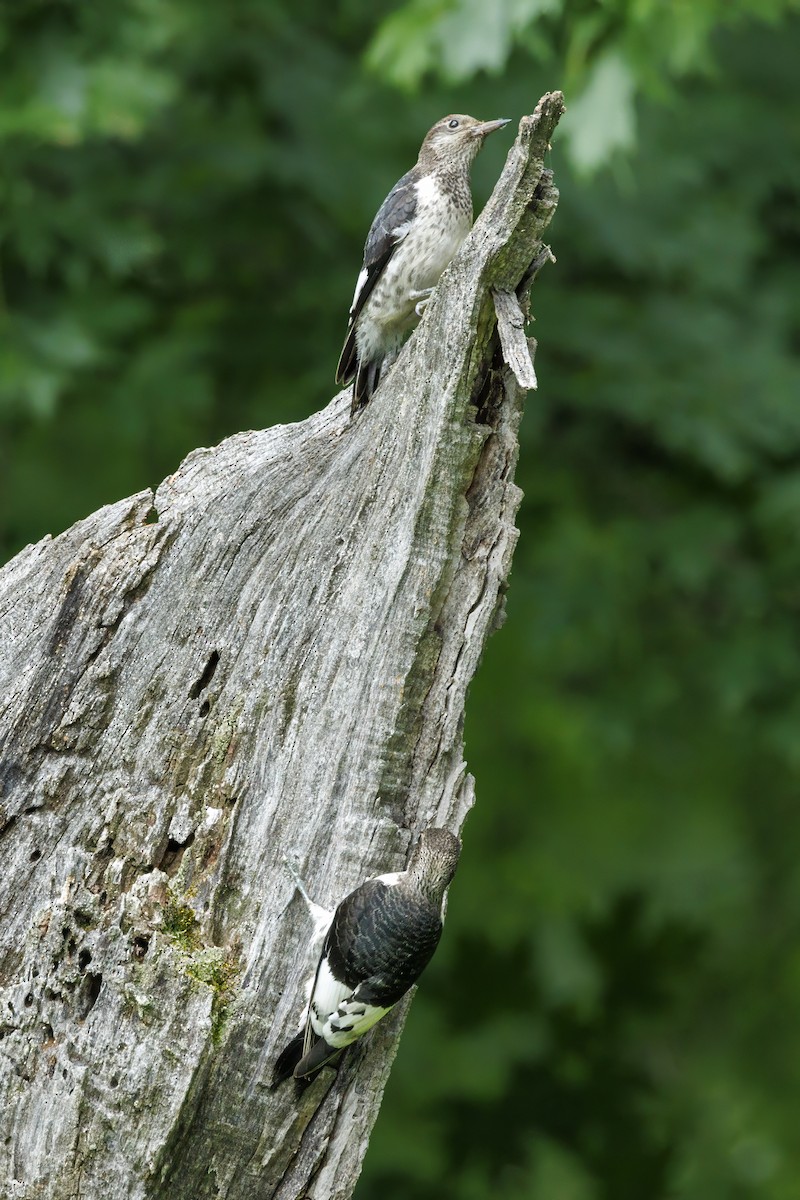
{"points": [[453, 124]]}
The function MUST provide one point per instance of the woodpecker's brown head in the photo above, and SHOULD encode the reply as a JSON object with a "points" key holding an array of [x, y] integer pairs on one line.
{"points": [[433, 862], [455, 139]]}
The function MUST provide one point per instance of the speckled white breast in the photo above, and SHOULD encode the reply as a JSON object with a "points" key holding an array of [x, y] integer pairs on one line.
{"points": [[433, 237]]}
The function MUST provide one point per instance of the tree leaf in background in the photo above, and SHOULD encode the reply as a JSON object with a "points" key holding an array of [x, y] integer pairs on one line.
{"points": [[601, 120]]}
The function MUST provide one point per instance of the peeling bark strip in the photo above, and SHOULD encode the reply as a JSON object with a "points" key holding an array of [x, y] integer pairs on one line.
{"points": [[517, 350], [270, 654]]}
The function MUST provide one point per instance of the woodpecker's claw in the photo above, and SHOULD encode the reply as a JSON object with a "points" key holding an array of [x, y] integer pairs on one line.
{"points": [[319, 915], [423, 296], [296, 878]]}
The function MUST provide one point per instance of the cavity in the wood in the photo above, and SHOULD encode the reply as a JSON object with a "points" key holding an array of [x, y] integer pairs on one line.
{"points": [[208, 674], [171, 858]]}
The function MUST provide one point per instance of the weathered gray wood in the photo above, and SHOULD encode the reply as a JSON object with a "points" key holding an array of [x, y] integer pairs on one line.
{"points": [[517, 349], [271, 654]]}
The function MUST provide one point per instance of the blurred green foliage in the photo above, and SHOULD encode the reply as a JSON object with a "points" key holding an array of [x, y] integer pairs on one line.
{"points": [[606, 50], [185, 193]]}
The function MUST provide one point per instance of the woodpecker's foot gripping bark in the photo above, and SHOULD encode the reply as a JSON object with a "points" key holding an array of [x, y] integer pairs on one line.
{"points": [[422, 296], [321, 917]]}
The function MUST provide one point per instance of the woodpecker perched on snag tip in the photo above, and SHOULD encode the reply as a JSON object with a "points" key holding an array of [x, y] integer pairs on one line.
{"points": [[377, 943], [416, 232]]}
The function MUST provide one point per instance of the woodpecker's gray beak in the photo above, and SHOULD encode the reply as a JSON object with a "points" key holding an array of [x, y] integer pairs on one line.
{"points": [[486, 127]]}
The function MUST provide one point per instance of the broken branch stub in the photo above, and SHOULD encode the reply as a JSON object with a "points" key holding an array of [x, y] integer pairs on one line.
{"points": [[270, 654]]}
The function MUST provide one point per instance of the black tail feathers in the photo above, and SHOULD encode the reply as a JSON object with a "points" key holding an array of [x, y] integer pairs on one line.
{"points": [[287, 1060], [291, 1060], [365, 384], [319, 1054], [365, 375]]}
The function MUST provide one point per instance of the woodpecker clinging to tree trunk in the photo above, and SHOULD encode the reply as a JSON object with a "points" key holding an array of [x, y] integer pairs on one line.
{"points": [[378, 942], [416, 232]]}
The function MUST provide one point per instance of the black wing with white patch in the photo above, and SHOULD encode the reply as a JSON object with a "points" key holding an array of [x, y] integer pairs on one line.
{"points": [[390, 226], [381, 939]]}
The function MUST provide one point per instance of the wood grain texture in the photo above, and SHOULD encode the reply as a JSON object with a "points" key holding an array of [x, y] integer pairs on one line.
{"points": [[517, 349], [269, 655]]}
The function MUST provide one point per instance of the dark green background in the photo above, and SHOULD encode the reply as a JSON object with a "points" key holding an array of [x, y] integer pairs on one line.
{"points": [[186, 188]]}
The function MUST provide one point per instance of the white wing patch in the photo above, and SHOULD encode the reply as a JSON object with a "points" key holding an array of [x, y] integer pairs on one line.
{"points": [[322, 922], [352, 1019], [362, 279], [398, 235], [328, 995], [336, 1014]]}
